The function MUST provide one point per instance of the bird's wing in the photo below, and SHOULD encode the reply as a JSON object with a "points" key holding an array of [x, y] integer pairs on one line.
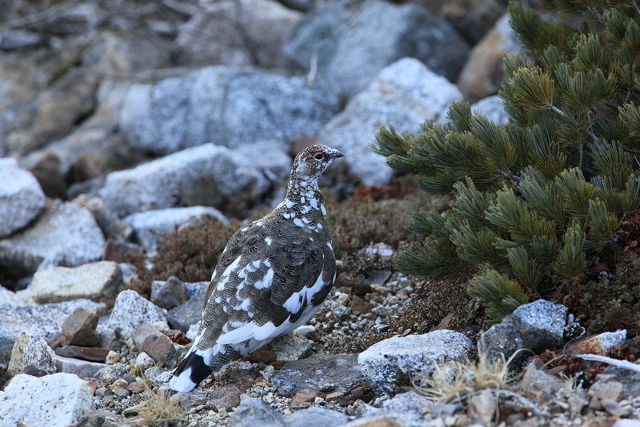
{"points": [[264, 283]]}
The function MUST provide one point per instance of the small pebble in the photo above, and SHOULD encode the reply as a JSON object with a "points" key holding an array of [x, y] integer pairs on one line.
{"points": [[112, 358]]}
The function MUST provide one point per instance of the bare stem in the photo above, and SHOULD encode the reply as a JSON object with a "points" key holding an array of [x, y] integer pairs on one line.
{"points": [[557, 110], [510, 175]]}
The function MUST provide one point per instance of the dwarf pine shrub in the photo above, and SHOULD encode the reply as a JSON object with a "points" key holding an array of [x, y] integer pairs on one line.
{"points": [[537, 200]]}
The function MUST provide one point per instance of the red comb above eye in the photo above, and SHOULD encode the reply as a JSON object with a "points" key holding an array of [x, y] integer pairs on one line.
{"points": [[318, 152]]}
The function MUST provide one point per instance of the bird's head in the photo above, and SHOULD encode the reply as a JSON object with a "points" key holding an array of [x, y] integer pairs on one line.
{"points": [[313, 160]]}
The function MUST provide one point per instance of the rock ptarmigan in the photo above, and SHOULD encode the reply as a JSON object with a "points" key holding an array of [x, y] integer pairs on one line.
{"points": [[270, 279]]}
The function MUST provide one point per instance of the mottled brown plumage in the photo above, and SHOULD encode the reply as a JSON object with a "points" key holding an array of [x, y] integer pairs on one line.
{"points": [[271, 277]]}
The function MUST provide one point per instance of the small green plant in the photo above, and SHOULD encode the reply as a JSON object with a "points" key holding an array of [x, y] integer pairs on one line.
{"points": [[538, 200]]}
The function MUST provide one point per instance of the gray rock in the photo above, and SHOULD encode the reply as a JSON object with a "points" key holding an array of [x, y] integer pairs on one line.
{"points": [[130, 311], [92, 354], [41, 320], [18, 39], [32, 356], [158, 375], [327, 373], [355, 40], [254, 412], [147, 338], [108, 221], [57, 400], [392, 419], [291, 347], [225, 398], [536, 379], [404, 95], [21, 198], [189, 313], [409, 403], [79, 328], [65, 234], [81, 368], [472, 19], [244, 32], [80, 18], [226, 106], [96, 281], [534, 326], [195, 288], [38, 105], [493, 108], [168, 294], [111, 373], [313, 417], [483, 406], [483, 72], [386, 361], [150, 225], [207, 174], [86, 154]]}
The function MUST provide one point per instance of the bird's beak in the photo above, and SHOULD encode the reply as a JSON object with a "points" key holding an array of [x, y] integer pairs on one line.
{"points": [[336, 154]]}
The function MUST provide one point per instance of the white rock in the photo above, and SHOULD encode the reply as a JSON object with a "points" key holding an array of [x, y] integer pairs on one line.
{"points": [[130, 311], [609, 340], [143, 361], [493, 108], [95, 281], [21, 198], [57, 400], [31, 355], [64, 234], [149, 225], [207, 174], [627, 423], [404, 95], [384, 361]]}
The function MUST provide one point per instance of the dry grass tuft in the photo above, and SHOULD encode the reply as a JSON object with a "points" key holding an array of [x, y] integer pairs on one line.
{"points": [[456, 381], [156, 409]]}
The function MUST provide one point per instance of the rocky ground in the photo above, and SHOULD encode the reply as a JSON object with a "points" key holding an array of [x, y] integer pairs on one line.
{"points": [[137, 136]]}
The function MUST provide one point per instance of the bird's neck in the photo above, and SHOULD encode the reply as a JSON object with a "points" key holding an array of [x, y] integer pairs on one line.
{"points": [[303, 195]]}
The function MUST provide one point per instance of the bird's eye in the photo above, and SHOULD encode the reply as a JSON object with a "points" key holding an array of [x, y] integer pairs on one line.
{"points": [[319, 156]]}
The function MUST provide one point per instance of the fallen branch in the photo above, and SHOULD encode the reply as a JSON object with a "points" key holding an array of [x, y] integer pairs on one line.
{"points": [[624, 364]]}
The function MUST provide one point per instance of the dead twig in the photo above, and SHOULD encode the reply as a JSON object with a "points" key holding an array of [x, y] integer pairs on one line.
{"points": [[624, 364]]}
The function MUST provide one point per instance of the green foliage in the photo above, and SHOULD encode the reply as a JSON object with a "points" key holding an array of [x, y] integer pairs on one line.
{"points": [[538, 199]]}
